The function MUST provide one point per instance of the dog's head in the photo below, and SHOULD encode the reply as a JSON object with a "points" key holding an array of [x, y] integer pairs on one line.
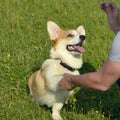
{"points": [[66, 41]]}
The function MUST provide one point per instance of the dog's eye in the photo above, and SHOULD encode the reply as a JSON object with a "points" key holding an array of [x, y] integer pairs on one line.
{"points": [[70, 35]]}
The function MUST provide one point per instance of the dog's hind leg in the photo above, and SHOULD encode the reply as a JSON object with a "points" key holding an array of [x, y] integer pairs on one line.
{"points": [[56, 111]]}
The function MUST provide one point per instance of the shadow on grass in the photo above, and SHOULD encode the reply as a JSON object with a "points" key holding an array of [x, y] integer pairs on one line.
{"points": [[108, 103], [35, 68]]}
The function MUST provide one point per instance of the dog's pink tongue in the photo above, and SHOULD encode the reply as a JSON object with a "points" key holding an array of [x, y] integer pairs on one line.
{"points": [[79, 49]]}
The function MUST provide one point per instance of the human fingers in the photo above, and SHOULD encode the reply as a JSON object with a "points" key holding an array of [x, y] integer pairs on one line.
{"points": [[103, 6], [106, 6], [108, 9], [65, 83], [113, 6]]}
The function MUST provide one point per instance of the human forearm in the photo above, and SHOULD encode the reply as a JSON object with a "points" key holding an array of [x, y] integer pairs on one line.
{"points": [[90, 80]]}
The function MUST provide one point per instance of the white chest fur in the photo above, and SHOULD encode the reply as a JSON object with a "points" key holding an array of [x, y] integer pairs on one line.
{"points": [[54, 73]]}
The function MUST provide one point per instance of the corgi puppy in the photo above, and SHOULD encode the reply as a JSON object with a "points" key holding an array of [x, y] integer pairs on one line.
{"points": [[65, 57]]}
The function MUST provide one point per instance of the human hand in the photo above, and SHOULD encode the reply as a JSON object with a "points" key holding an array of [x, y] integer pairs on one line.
{"points": [[66, 82], [112, 12]]}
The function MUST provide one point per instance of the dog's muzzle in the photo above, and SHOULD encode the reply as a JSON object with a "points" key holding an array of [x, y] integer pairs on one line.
{"points": [[77, 47]]}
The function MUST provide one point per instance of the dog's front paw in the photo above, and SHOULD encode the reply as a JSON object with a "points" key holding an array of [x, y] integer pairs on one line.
{"points": [[56, 116]]}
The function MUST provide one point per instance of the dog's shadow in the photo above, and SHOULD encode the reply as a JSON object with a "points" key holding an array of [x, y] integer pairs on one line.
{"points": [[106, 102]]}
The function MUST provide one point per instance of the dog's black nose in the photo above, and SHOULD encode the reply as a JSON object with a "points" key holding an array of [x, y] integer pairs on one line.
{"points": [[82, 37]]}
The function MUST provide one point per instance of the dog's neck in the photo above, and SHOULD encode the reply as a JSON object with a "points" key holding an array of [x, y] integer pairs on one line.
{"points": [[67, 66], [74, 62]]}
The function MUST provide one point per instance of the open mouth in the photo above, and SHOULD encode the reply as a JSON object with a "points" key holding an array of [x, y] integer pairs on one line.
{"points": [[77, 47]]}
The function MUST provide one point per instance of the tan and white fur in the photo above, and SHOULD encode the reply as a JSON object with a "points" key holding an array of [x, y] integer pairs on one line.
{"points": [[44, 83]]}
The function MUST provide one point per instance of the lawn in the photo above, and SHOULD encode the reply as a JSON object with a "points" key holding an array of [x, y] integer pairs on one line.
{"points": [[25, 44]]}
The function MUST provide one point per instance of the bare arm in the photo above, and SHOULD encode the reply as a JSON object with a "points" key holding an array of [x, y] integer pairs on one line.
{"points": [[101, 80]]}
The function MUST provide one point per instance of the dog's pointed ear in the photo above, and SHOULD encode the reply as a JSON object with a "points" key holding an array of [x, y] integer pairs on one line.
{"points": [[53, 30], [81, 29]]}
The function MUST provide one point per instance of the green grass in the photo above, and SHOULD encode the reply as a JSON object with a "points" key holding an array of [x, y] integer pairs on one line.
{"points": [[25, 44]]}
